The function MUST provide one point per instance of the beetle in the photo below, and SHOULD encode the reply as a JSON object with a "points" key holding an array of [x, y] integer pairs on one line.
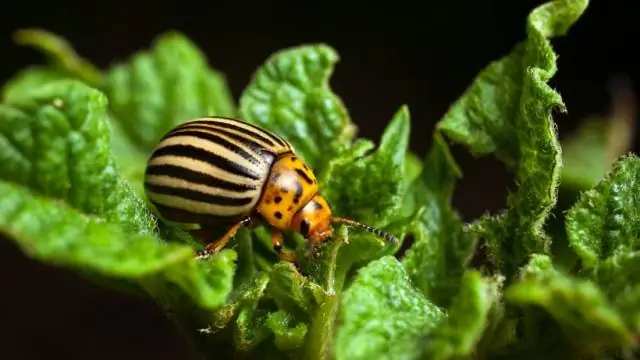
{"points": [[218, 171]]}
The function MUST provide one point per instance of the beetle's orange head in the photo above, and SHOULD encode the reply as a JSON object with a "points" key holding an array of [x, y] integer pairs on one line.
{"points": [[314, 222]]}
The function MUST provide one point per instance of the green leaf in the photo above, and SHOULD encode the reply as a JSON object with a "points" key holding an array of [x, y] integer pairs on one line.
{"points": [[506, 111], [61, 55], [27, 80], [383, 316], [603, 229], [606, 220], [584, 156], [156, 90], [619, 277], [590, 151], [442, 247], [57, 142], [288, 333], [582, 310], [314, 298], [64, 203], [290, 95], [293, 292], [245, 295], [457, 336], [50, 231], [251, 328], [129, 158], [626, 302], [327, 272], [348, 185], [413, 168]]}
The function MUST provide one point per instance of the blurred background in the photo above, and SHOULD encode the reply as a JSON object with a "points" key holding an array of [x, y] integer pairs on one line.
{"points": [[420, 54]]}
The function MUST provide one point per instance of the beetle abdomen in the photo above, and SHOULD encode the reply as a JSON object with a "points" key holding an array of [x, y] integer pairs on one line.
{"points": [[211, 169]]}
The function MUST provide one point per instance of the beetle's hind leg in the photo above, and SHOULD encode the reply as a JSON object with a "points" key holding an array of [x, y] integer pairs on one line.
{"points": [[276, 242], [215, 246]]}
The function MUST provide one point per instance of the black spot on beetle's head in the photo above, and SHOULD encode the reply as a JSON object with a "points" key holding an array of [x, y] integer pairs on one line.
{"points": [[299, 191], [277, 199], [304, 228], [304, 175], [278, 215]]}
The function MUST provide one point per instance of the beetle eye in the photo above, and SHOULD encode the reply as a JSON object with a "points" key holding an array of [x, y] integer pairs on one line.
{"points": [[304, 227]]}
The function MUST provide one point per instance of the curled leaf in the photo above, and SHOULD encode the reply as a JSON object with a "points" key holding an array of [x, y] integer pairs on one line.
{"points": [[458, 334], [61, 55], [605, 220], [27, 80], [442, 247], [57, 234], [57, 142], [582, 310], [348, 185], [158, 89], [507, 112], [290, 95]]}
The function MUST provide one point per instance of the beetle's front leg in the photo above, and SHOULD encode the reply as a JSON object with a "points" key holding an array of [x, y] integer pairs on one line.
{"points": [[276, 242], [220, 243]]}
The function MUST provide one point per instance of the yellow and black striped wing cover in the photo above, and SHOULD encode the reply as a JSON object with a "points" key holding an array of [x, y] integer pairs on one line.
{"points": [[211, 170]]}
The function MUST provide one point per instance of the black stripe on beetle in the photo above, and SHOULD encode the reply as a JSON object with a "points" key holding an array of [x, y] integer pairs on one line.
{"points": [[217, 139], [203, 155], [275, 139], [258, 135], [245, 139], [199, 196], [273, 136], [197, 177]]}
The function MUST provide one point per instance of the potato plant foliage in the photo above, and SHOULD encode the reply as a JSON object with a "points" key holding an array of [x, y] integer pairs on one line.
{"points": [[75, 139]]}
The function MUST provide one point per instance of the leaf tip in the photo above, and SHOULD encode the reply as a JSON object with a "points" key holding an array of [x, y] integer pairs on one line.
{"points": [[328, 51], [404, 111], [25, 36], [320, 53], [170, 36]]}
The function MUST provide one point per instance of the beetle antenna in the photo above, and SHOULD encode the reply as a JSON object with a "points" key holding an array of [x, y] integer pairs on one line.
{"points": [[383, 234]]}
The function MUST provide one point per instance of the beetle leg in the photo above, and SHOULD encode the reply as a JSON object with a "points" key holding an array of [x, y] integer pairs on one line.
{"points": [[220, 243], [276, 241]]}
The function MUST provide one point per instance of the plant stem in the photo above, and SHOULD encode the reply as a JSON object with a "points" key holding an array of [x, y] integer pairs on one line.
{"points": [[323, 324]]}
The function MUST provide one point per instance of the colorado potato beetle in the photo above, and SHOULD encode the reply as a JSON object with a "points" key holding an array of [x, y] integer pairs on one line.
{"points": [[216, 171]]}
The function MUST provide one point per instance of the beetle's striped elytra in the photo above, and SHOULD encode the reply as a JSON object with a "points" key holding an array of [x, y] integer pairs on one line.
{"points": [[216, 171]]}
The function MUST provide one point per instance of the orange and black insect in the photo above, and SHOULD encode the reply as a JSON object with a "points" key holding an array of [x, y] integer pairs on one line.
{"points": [[216, 171]]}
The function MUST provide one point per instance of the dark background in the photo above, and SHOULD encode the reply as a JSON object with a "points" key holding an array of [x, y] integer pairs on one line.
{"points": [[420, 55]]}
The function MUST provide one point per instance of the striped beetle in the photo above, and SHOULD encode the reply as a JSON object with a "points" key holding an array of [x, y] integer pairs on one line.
{"points": [[216, 171]]}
